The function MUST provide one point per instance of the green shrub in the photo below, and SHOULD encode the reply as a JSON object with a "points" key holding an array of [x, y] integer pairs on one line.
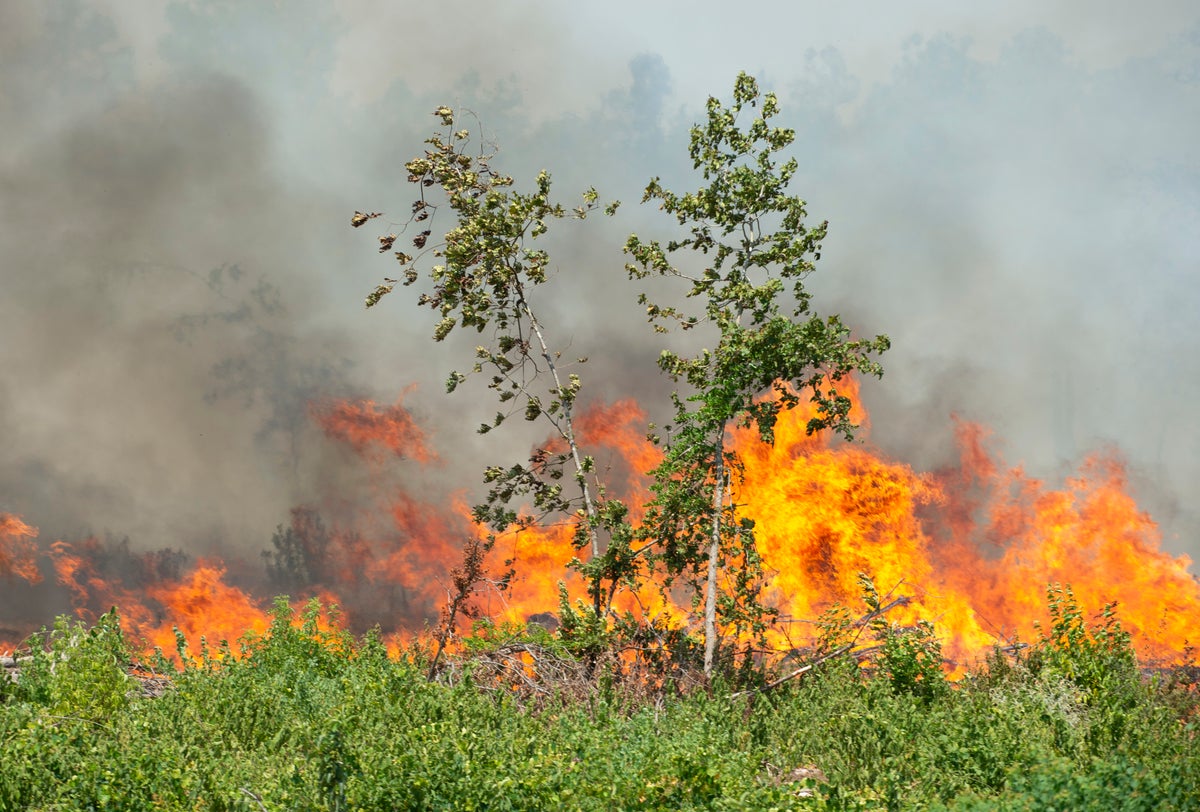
{"points": [[76, 672], [1098, 657], [302, 717], [1115, 784]]}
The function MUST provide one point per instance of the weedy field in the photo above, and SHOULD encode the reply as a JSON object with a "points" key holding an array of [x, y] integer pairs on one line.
{"points": [[306, 717]]}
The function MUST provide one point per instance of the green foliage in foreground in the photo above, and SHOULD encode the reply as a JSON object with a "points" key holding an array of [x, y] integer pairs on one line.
{"points": [[306, 719]]}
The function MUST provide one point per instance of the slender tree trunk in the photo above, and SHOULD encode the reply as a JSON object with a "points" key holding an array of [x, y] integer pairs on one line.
{"points": [[714, 554], [568, 433]]}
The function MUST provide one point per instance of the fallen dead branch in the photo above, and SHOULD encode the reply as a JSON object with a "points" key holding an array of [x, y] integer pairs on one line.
{"points": [[151, 683], [838, 652], [522, 667], [865, 620], [847, 650], [806, 776]]}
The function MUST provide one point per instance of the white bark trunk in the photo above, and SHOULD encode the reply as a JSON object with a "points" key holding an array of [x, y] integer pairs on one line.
{"points": [[568, 433], [714, 555]]}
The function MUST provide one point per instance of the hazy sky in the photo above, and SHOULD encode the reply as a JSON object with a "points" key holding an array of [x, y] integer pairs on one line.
{"points": [[1013, 190]]}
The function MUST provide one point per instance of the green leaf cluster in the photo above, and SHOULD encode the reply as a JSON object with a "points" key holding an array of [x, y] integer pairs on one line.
{"points": [[485, 270], [76, 672], [747, 248], [768, 348]]}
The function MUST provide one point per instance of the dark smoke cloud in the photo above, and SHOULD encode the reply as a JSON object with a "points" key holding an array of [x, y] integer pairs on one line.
{"points": [[155, 379], [181, 280]]}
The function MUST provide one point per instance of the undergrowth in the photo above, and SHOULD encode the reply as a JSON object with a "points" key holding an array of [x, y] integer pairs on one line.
{"points": [[307, 718]]}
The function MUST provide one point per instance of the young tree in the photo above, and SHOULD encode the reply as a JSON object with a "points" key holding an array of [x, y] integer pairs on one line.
{"points": [[485, 271], [768, 347]]}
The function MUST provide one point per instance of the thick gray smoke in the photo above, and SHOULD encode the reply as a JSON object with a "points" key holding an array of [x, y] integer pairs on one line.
{"points": [[180, 281]]}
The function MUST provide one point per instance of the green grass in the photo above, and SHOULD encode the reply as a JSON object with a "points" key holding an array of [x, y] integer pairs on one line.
{"points": [[310, 720]]}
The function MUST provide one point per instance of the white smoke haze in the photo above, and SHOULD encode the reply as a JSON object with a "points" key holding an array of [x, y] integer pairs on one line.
{"points": [[1014, 197]]}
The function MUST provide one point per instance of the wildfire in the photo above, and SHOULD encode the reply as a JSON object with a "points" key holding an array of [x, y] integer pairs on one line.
{"points": [[203, 605], [18, 550], [1090, 534], [975, 545], [369, 428]]}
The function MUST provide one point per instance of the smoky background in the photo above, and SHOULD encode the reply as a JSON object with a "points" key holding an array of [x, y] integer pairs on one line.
{"points": [[1016, 207]]}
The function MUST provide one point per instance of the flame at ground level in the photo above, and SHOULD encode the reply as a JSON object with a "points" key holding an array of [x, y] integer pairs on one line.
{"points": [[975, 544]]}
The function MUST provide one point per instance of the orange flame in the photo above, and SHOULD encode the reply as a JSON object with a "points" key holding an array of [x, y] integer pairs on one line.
{"points": [[18, 550], [975, 545], [203, 605], [1090, 534], [368, 427]]}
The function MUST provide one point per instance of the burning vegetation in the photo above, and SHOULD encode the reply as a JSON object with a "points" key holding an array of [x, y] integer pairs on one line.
{"points": [[974, 546], [741, 527], [643, 601]]}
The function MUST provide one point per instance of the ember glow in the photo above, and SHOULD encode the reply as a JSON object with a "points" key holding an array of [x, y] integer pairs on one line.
{"points": [[975, 544]]}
